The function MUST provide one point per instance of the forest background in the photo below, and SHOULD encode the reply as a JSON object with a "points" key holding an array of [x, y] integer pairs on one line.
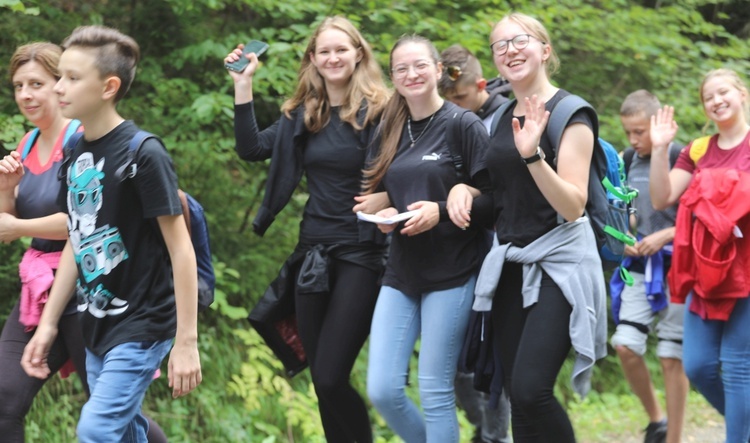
{"points": [[608, 48]]}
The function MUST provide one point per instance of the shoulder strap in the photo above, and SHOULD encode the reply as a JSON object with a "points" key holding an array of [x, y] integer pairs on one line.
{"points": [[130, 168], [68, 147], [72, 142], [454, 143], [29, 139], [499, 113], [627, 159], [71, 129], [561, 114], [698, 148], [185, 209]]}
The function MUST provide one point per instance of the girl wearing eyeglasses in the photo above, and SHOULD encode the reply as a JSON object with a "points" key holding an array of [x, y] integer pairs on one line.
{"points": [[428, 286], [324, 132], [543, 279]]}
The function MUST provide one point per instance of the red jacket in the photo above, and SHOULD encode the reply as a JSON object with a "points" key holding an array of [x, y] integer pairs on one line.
{"points": [[712, 243]]}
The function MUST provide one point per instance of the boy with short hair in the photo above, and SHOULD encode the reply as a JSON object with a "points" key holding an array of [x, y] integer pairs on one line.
{"points": [[462, 83], [128, 256], [648, 297]]}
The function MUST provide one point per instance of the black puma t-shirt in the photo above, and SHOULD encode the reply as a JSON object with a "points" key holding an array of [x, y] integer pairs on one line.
{"points": [[445, 256]]}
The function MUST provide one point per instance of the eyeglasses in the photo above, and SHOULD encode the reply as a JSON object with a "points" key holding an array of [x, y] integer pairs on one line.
{"points": [[454, 72], [520, 41], [420, 68]]}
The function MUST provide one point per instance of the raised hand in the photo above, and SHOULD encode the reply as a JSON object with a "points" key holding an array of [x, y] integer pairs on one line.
{"points": [[527, 138], [663, 128], [249, 71]]}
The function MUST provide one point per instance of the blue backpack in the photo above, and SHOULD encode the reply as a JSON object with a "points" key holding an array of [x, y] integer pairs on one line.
{"points": [[192, 211], [607, 205]]}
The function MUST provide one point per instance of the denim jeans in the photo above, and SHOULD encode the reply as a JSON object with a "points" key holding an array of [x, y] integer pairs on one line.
{"points": [[716, 357], [118, 382], [441, 318]]}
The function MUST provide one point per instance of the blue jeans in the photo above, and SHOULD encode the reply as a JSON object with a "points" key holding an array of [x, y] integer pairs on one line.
{"points": [[118, 382], [441, 318], [716, 357]]}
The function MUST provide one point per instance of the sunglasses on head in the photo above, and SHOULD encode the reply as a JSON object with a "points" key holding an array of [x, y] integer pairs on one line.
{"points": [[454, 72]]}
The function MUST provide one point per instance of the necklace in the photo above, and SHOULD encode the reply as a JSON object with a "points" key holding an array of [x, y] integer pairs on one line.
{"points": [[408, 127]]}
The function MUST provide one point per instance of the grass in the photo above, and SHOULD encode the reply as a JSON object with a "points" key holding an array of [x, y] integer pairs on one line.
{"points": [[604, 418]]}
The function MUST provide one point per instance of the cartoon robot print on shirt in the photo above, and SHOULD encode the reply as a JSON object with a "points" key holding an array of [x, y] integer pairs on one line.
{"points": [[97, 250]]}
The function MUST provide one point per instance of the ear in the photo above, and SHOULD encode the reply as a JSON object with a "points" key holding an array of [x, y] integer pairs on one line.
{"points": [[111, 86], [481, 84], [546, 52], [439, 66], [360, 54]]}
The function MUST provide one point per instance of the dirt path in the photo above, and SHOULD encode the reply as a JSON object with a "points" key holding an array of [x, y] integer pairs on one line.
{"points": [[705, 426]]}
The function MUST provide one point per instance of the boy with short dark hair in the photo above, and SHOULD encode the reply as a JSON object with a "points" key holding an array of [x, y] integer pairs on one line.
{"points": [[128, 256], [648, 298], [462, 83]]}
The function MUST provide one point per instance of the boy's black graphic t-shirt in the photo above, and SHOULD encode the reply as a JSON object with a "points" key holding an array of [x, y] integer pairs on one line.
{"points": [[125, 290], [445, 256]]}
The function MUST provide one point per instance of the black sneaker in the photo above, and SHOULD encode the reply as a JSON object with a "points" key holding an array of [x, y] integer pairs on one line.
{"points": [[656, 432]]}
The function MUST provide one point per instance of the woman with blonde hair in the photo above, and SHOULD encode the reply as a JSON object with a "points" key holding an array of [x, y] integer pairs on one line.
{"points": [[324, 132], [543, 279], [711, 260]]}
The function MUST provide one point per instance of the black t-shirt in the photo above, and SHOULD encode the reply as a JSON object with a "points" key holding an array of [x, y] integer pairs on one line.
{"points": [[445, 256], [125, 290], [333, 161], [523, 213]]}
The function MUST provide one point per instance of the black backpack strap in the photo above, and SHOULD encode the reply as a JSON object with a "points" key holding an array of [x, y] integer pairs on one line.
{"points": [[627, 159], [561, 114], [68, 149], [453, 130], [499, 113], [130, 168]]}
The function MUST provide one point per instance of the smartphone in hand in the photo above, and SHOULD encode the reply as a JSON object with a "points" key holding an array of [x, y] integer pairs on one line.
{"points": [[256, 46]]}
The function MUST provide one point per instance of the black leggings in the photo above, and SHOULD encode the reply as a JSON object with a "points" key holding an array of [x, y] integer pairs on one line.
{"points": [[532, 344], [333, 327], [17, 390]]}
